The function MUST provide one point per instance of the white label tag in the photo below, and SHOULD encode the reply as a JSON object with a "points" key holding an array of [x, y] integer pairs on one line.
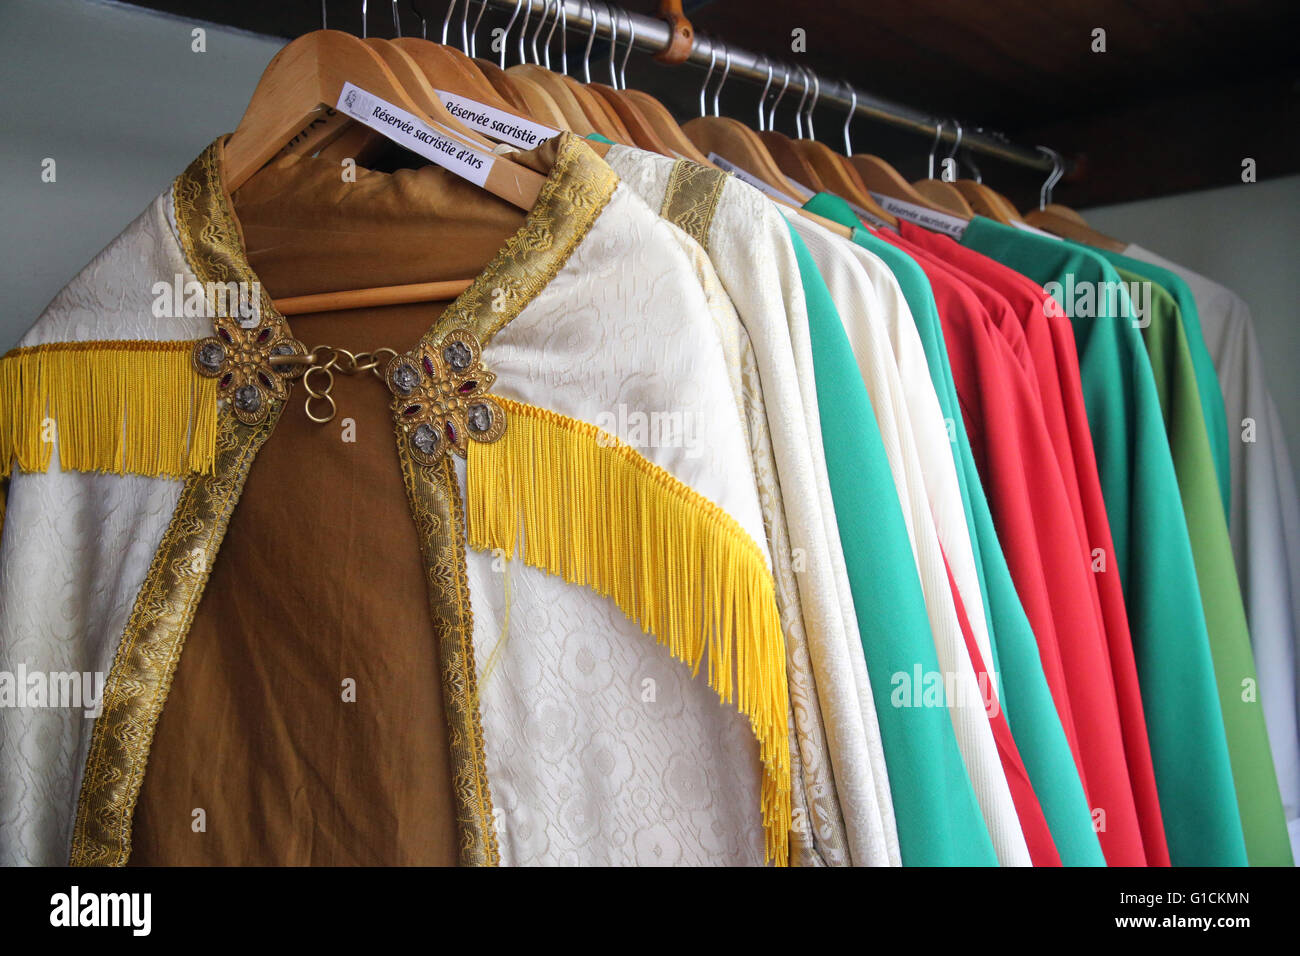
{"points": [[416, 135], [496, 124], [752, 180], [868, 216], [1034, 230], [953, 226]]}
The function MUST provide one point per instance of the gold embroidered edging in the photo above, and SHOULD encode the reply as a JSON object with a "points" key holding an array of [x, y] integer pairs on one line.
{"points": [[692, 198], [579, 187], [597, 513], [140, 677], [146, 659], [577, 190], [440, 523], [120, 406]]}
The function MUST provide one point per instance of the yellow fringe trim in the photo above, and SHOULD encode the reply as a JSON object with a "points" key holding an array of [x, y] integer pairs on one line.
{"points": [[125, 407], [597, 513]]}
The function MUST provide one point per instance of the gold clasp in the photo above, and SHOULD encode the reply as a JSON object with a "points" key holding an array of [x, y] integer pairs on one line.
{"points": [[325, 360]]}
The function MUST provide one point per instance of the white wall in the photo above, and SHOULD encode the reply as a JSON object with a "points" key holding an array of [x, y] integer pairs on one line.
{"points": [[115, 96], [1247, 238]]}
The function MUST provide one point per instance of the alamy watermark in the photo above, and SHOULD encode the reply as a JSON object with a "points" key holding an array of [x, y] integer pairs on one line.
{"points": [[1091, 299], [679, 429], [82, 690], [193, 299]]}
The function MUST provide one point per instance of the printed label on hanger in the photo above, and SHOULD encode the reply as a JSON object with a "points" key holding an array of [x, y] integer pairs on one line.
{"points": [[752, 180], [953, 226], [416, 135], [869, 217], [496, 124]]}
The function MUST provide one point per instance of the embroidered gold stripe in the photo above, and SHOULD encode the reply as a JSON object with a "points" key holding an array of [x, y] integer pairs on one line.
{"points": [[138, 681], [579, 187], [692, 198], [146, 659]]}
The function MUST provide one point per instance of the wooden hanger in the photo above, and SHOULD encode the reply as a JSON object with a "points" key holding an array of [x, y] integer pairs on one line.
{"points": [[944, 194], [312, 70], [364, 144], [734, 141], [883, 179], [667, 128], [1063, 222], [987, 202], [631, 116]]}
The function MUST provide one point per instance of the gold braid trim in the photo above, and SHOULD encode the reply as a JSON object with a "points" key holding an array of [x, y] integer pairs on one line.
{"points": [[597, 513], [123, 407], [691, 198], [146, 659], [578, 188], [137, 684], [440, 523]]}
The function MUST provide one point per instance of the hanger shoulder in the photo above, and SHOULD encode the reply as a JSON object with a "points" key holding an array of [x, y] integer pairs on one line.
{"points": [[536, 103], [414, 81], [575, 118], [736, 142], [446, 68], [666, 126], [638, 126], [791, 162], [1068, 228], [944, 195]]}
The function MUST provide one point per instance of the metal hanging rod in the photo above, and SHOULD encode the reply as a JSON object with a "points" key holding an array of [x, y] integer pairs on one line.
{"points": [[652, 36]]}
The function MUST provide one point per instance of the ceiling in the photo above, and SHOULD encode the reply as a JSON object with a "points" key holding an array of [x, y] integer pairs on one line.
{"points": [[1184, 91]]}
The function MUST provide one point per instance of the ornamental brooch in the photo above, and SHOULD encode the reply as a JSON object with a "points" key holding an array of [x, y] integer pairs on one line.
{"points": [[241, 361], [440, 397]]}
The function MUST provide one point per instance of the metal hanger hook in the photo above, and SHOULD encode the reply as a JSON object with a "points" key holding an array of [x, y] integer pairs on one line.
{"points": [[785, 82], [1054, 177], [853, 108], [541, 25], [956, 143], [591, 36], [723, 78], [713, 60], [817, 94], [523, 31], [424, 25], [397, 21], [938, 134], [613, 44], [446, 20], [803, 98], [473, 31], [364, 18], [563, 22], [762, 97], [505, 34], [323, 24], [631, 41]]}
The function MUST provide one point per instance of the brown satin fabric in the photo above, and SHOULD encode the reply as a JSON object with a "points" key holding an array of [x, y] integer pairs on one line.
{"points": [[320, 578]]}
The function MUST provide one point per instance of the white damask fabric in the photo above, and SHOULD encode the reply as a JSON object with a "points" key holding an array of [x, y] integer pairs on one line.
{"points": [[76, 549], [1264, 522], [932, 441], [656, 772], [839, 738], [860, 311]]}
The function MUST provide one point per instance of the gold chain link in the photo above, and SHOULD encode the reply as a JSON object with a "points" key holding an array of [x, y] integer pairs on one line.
{"points": [[325, 360]]}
